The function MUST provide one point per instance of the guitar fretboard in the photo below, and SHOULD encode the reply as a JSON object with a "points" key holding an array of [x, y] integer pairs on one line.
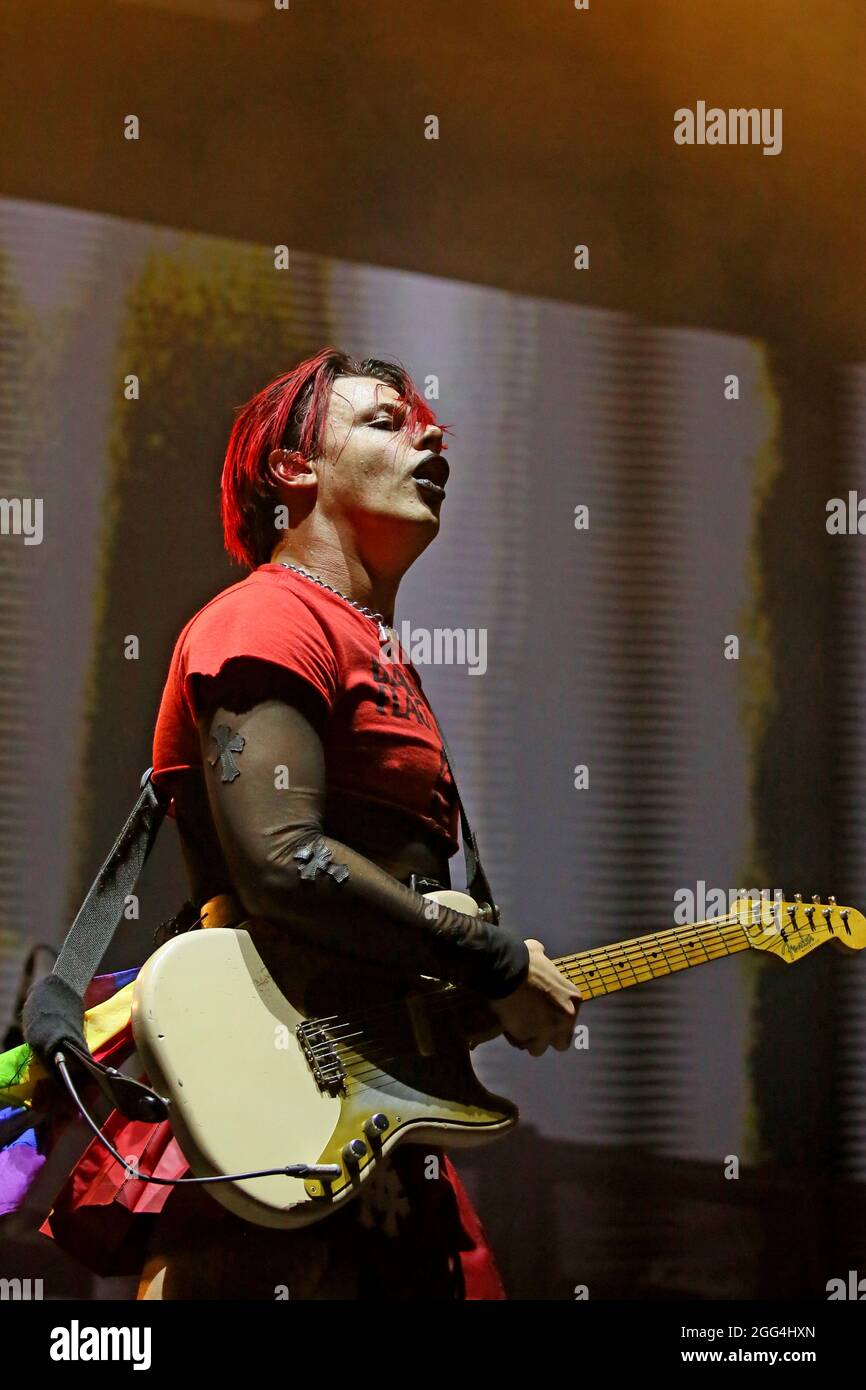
{"points": [[608, 968]]}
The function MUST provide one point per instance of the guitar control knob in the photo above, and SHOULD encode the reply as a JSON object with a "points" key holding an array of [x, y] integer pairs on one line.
{"points": [[353, 1152], [376, 1125]]}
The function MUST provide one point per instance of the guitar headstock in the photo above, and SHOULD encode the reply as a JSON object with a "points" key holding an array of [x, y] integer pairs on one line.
{"points": [[790, 930]]}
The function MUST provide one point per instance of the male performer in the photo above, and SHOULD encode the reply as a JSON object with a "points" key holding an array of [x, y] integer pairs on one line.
{"points": [[309, 783]]}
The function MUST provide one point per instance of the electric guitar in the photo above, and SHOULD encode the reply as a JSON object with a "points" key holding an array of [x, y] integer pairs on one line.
{"points": [[324, 1066]]}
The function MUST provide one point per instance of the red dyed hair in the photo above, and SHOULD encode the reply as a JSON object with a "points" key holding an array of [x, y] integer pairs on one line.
{"points": [[290, 413]]}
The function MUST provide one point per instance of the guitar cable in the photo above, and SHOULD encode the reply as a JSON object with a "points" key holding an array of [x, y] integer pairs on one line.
{"points": [[291, 1170]]}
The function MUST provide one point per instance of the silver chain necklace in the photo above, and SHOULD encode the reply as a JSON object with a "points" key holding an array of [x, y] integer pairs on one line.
{"points": [[385, 635]]}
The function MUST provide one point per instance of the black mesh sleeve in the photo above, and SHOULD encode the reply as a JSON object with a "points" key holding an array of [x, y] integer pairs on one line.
{"points": [[265, 776]]}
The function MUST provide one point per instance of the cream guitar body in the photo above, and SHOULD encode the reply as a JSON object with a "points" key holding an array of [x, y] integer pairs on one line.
{"points": [[256, 1081], [302, 1061]]}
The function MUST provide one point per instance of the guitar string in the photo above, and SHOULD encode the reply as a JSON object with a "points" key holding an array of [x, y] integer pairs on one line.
{"points": [[454, 997], [373, 1064], [670, 935], [355, 1071], [632, 951], [633, 948]]}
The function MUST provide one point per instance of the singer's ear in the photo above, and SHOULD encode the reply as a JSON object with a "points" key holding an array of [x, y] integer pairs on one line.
{"points": [[280, 456], [288, 466]]}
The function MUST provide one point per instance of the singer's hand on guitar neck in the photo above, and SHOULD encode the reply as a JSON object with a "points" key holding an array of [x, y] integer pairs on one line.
{"points": [[542, 1011]]}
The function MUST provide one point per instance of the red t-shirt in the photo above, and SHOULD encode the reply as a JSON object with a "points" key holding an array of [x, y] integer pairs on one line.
{"points": [[380, 740]]}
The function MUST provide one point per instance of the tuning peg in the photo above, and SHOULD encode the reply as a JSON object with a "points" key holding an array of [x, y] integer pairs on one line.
{"points": [[831, 900], [815, 898], [798, 897]]}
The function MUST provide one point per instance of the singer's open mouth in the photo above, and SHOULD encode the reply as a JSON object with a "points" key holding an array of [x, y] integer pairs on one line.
{"points": [[432, 474]]}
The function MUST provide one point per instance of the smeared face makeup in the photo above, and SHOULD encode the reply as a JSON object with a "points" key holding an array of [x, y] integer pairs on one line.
{"points": [[371, 467]]}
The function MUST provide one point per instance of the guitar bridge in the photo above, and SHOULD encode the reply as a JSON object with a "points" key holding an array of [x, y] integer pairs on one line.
{"points": [[322, 1060]]}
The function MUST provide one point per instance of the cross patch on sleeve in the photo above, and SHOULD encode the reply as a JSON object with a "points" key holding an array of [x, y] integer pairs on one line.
{"points": [[227, 744], [317, 859]]}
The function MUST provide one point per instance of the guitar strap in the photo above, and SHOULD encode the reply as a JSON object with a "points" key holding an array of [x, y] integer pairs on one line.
{"points": [[477, 884], [53, 1011], [99, 915]]}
